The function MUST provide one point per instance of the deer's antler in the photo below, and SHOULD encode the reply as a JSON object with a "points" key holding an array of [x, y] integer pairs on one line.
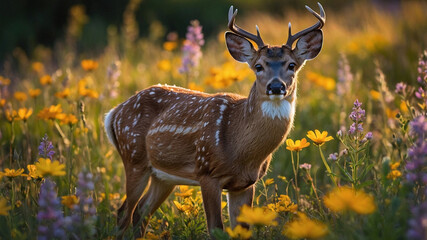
{"points": [[236, 29], [318, 25]]}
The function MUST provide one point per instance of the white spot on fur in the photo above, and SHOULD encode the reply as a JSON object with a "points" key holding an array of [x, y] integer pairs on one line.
{"points": [[280, 109], [216, 138]]}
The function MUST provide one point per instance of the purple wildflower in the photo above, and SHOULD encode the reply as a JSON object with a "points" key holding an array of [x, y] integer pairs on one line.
{"points": [[345, 77], [51, 221], [420, 94], [422, 69], [84, 213], [333, 156], [416, 175], [357, 116], [46, 148], [192, 47], [400, 88]]}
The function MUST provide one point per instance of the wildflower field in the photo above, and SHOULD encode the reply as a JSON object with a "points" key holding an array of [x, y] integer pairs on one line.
{"points": [[353, 167]]}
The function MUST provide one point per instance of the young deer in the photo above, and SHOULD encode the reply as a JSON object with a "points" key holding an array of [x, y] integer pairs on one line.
{"points": [[170, 136]]}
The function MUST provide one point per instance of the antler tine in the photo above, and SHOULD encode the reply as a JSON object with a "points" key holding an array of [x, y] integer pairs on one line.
{"points": [[318, 25], [236, 29]]}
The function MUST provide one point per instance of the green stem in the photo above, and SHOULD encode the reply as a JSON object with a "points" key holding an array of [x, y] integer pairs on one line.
{"points": [[327, 167]]}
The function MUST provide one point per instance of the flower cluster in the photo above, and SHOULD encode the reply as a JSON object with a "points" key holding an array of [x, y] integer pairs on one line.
{"points": [[46, 148], [84, 210], [304, 227], [52, 223], [257, 216], [192, 47], [346, 198], [284, 204], [345, 77]]}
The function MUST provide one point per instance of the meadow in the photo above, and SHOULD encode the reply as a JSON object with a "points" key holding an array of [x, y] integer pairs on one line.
{"points": [[353, 167]]}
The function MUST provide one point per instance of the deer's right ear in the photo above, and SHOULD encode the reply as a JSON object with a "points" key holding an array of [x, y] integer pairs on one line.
{"points": [[239, 47]]}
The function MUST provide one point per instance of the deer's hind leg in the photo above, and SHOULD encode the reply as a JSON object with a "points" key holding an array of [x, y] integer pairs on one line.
{"points": [[137, 179], [156, 194]]}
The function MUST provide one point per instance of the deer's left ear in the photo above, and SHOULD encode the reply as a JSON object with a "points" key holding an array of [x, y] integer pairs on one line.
{"points": [[309, 45]]}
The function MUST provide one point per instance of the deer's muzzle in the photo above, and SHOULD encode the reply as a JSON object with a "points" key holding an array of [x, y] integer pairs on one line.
{"points": [[276, 87]]}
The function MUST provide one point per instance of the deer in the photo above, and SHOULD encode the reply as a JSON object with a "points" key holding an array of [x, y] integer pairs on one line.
{"points": [[168, 136]]}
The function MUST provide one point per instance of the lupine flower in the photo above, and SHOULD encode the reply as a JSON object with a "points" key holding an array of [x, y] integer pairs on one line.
{"points": [[239, 232], [417, 224], [84, 212], [319, 138], [50, 217], [257, 216], [345, 77], [422, 69], [303, 227], [346, 198], [192, 47], [46, 148], [357, 116]]}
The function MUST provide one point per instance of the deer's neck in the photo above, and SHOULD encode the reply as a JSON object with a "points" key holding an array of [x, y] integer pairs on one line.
{"points": [[262, 124]]}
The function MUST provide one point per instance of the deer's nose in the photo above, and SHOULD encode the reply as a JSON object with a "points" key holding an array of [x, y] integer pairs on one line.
{"points": [[276, 87]]}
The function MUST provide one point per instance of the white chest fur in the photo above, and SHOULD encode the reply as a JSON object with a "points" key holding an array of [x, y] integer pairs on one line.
{"points": [[282, 109]]}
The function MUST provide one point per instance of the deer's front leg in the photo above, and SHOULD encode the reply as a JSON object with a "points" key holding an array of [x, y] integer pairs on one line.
{"points": [[211, 193], [236, 200]]}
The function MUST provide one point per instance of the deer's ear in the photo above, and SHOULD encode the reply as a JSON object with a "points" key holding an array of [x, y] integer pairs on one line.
{"points": [[240, 49], [309, 45]]}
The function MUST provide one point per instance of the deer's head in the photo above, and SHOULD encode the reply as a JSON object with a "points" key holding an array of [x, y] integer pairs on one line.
{"points": [[275, 67]]}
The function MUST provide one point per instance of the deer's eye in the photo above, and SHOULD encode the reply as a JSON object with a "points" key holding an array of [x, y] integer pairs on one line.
{"points": [[291, 66], [258, 68]]}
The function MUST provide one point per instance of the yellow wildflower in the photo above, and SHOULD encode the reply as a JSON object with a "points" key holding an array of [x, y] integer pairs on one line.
{"points": [[375, 94], [34, 92], [195, 87], [239, 232], [164, 65], [326, 82], [32, 172], [257, 216], [18, 204], [186, 208], [151, 236], [224, 76], [45, 80], [343, 198], [67, 118], [2, 102], [170, 45], [50, 113], [24, 113], [69, 200], [38, 67], [185, 191], [46, 167], [404, 107], [223, 204], [303, 227], [63, 94], [283, 178], [13, 172], [298, 145], [283, 205], [4, 81], [394, 173], [11, 115], [3, 207], [85, 92], [89, 65], [319, 138], [20, 96], [269, 181]]}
